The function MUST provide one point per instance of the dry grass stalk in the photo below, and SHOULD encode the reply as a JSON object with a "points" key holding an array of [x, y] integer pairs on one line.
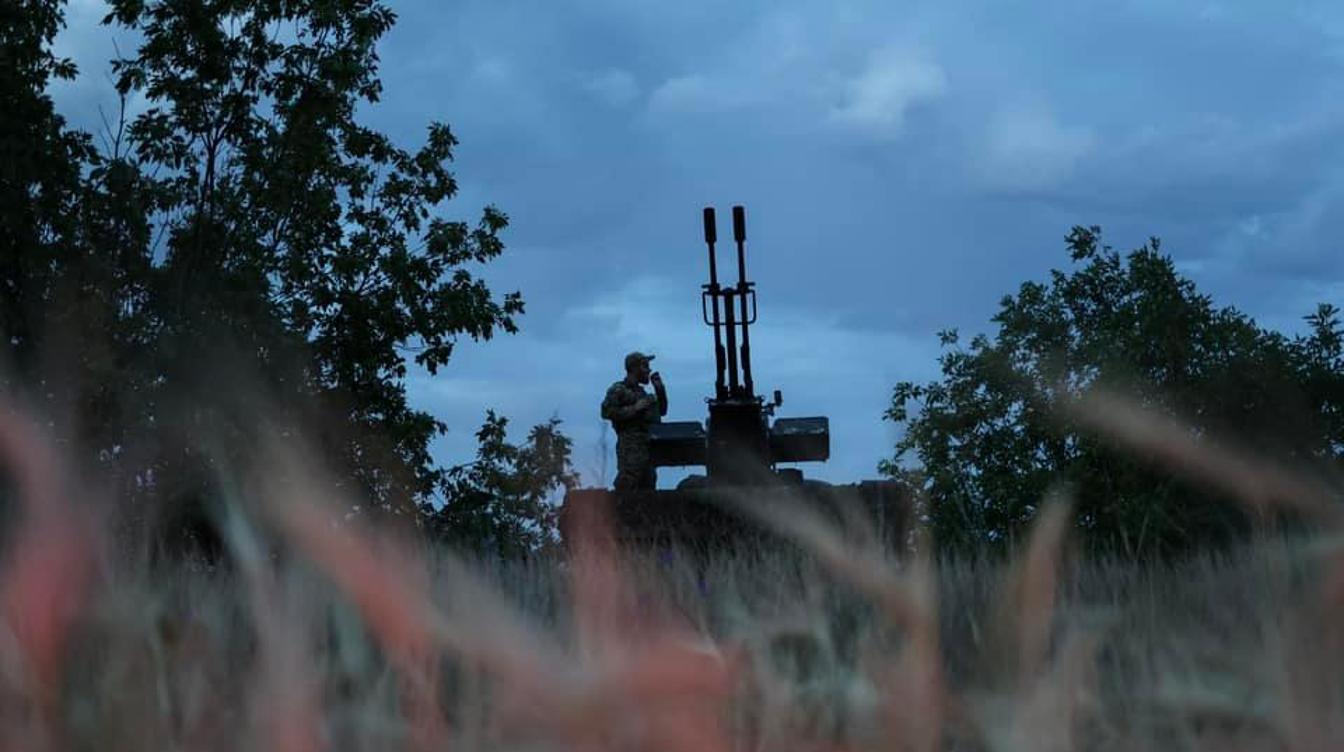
{"points": [[441, 659]]}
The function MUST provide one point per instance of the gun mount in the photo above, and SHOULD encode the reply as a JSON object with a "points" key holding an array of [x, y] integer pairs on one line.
{"points": [[738, 445]]}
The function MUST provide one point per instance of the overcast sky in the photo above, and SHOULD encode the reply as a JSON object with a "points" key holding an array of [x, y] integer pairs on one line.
{"points": [[903, 165]]}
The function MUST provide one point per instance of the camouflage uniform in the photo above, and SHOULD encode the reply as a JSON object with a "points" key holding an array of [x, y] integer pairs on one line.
{"points": [[631, 411]]}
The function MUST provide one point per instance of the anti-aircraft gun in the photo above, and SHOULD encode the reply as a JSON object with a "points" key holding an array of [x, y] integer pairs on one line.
{"points": [[739, 446]]}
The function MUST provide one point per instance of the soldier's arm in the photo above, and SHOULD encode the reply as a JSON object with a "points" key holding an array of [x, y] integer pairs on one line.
{"points": [[661, 392], [617, 407]]}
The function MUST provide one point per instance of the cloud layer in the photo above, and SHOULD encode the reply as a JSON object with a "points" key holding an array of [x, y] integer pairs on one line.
{"points": [[904, 165]]}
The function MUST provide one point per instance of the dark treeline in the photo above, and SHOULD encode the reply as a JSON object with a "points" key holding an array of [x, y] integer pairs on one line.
{"points": [[241, 256], [987, 441]]}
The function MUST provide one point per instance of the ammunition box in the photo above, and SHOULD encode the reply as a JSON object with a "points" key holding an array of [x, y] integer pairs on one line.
{"points": [[677, 444], [800, 440]]}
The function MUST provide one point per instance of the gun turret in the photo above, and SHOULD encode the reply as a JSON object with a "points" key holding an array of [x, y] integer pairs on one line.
{"points": [[737, 445]]}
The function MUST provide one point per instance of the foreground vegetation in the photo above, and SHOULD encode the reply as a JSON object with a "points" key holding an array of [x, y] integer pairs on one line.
{"points": [[318, 633]]}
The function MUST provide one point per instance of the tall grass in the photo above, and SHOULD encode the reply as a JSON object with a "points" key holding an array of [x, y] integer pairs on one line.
{"points": [[320, 634]]}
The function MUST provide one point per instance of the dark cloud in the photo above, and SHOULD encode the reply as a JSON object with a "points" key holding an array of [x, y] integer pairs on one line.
{"points": [[904, 165]]}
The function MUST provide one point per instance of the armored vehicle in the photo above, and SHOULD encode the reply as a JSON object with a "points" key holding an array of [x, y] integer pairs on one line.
{"points": [[741, 446]]}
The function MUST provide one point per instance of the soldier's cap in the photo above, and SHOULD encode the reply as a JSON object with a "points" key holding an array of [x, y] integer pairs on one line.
{"points": [[636, 358]]}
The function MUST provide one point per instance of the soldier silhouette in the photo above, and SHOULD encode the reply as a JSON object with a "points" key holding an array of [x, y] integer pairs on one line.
{"points": [[631, 411]]}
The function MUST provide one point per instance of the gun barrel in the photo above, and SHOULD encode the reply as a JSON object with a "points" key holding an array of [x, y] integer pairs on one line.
{"points": [[743, 291], [711, 237], [712, 293], [731, 326], [740, 236]]}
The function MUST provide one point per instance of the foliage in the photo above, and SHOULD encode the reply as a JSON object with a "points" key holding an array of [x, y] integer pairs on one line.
{"points": [[74, 241], [40, 181], [243, 250], [989, 440], [502, 501], [303, 239]]}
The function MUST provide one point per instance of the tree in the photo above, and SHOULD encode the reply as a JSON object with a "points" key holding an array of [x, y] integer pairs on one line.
{"points": [[244, 232], [40, 162], [73, 245], [501, 501], [989, 439], [297, 246]]}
